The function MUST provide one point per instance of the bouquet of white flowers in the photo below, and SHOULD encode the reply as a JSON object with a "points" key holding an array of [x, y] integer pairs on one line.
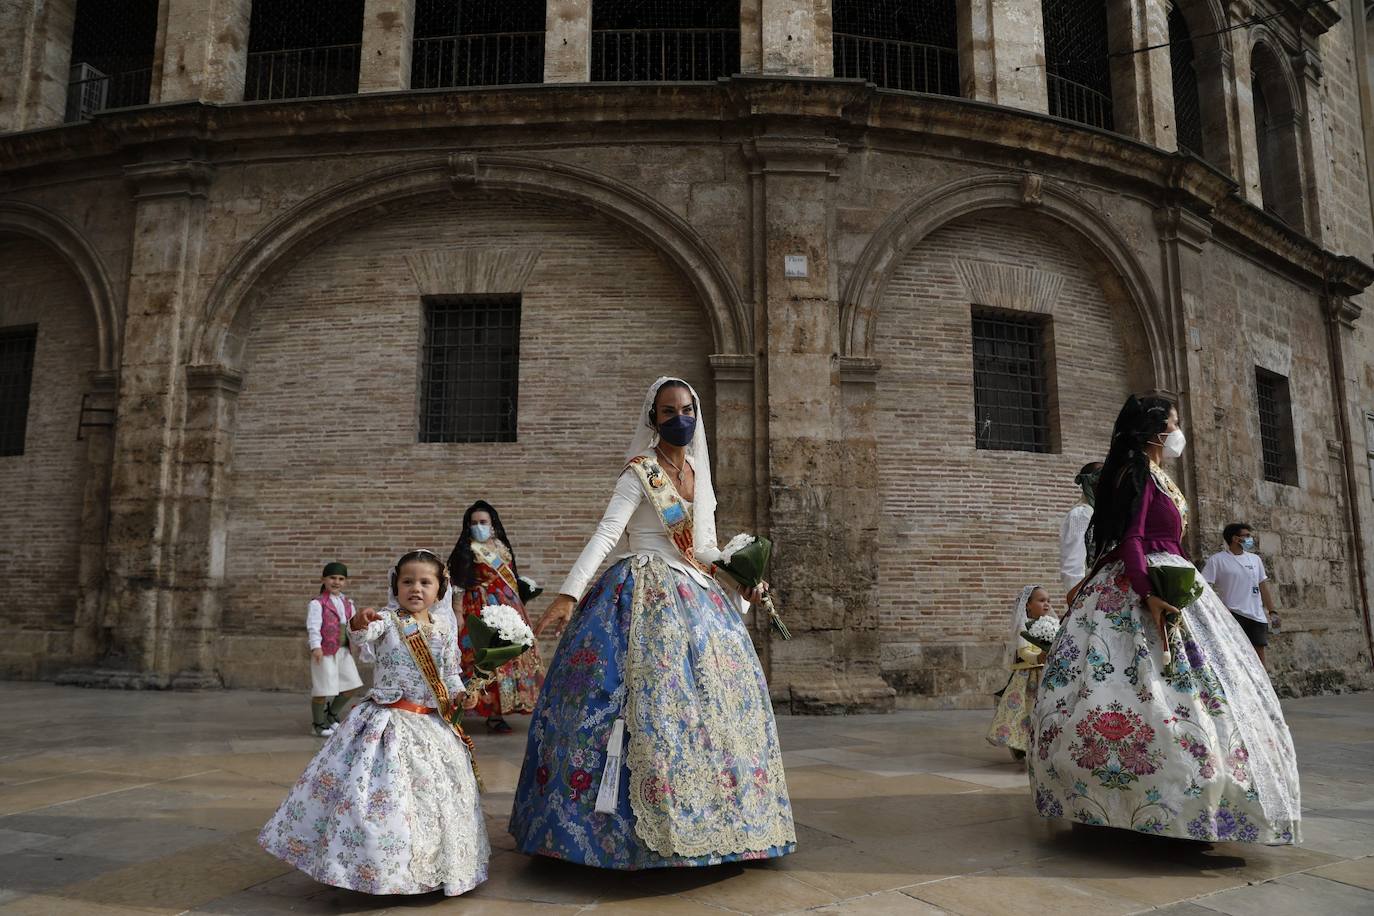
{"points": [[498, 635], [1042, 631], [746, 558]]}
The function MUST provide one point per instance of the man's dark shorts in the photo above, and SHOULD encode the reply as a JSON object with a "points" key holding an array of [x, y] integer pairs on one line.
{"points": [[1257, 632]]}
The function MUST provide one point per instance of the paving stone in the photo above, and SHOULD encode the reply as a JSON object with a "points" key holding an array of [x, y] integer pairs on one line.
{"points": [[1306, 894]]}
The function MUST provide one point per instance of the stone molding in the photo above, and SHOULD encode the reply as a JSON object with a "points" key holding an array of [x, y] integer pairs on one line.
{"points": [[470, 271], [173, 178], [732, 367], [327, 212], [858, 370], [1007, 286], [43, 225], [213, 378]]}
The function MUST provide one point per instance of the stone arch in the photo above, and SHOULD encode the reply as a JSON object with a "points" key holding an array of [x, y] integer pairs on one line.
{"points": [[919, 217], [291, 235], [47, 227], [1278, 124], [1211, 64]]}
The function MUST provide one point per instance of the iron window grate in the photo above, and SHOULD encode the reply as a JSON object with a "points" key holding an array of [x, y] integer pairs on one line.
{"points": [[1278, 448], [303, 48], [1010, 383], [912, 47], [664, 40], [112, 56], [1078, 75], [1187, 99], [471, 373], [16, 382], [477, 43]]}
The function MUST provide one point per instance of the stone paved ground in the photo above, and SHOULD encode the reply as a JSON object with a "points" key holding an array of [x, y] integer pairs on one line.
{"points": [[149, 803]]}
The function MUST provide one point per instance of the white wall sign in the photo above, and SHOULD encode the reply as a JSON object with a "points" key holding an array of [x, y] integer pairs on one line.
{"points": [[794, 265]]}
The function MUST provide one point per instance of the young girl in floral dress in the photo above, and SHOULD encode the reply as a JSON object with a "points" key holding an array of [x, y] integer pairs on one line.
{"points": [[390, 804], [1011, 724]]}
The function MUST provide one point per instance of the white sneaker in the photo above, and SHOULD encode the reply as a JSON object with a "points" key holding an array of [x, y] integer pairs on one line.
{"points": [[321, 731]]}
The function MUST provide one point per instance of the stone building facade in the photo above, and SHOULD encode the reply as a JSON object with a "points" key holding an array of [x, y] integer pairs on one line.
{"points": [[226, 301]]}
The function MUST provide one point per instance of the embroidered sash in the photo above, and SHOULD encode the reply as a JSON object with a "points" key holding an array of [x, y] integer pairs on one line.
{"points": [[490, 558], [663, 496], [1171, 490], [414, 639]]}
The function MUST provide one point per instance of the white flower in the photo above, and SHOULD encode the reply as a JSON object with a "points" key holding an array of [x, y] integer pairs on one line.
{"points": [[737, 543], [508, 625], [1044, 627]]}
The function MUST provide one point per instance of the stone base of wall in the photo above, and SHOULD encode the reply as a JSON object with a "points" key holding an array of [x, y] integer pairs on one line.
{"points": [[35, 655]]}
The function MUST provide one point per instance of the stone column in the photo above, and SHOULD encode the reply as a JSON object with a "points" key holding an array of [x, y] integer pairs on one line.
{"points": [[203, 50], [35, 62], [97, 430], [1246, 145], [568, 41], [169, 203], [202, 523], [1142, 84], [1310, 141], [1183, 235], [791, 37], [732, 456], [1002, 53], [823, 561], [388, 43]]}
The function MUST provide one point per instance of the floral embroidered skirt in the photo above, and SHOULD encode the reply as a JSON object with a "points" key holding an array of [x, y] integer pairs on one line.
{"points": [[388, 806], [701, 779], [1198, 749], [1011, 723]]}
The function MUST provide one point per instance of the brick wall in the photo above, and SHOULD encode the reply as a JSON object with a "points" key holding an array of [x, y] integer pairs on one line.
{"points": [[41, 490], [326, 464]]}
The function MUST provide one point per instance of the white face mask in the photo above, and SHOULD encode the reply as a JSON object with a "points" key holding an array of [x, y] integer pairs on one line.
{"points": [[1174, 443], [480, 532]]}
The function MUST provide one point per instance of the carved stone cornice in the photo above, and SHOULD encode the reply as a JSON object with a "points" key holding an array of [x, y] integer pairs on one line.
{"points": [[732, 367], [170, 178], [858, 370], [1178, 224], [213, 378], [796, 155]]}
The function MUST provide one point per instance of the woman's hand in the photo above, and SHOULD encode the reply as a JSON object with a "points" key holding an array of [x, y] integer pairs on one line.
{"points": [[1158, 607], [557, 615], [360, 620], [317, 655], [755, 594]]}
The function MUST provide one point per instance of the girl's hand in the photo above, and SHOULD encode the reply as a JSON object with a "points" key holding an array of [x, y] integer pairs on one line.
{"points": [[1158, 607], [317, 655], [470, 698], [557, 615], [361, 619], [755, 594]]}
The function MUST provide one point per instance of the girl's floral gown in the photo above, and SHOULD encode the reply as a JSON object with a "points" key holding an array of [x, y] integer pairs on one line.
{"points": [[389, 805], [1198, 749]]}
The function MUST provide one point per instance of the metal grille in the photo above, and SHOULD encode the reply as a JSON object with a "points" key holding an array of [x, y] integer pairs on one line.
{"points": [[16, 380], [1187, 99], [477, 43], [908, 46], [1010, 384], [112, 56], [664, 40], [1077, 71], [1277, 449], [302, 48], [471, 370]]}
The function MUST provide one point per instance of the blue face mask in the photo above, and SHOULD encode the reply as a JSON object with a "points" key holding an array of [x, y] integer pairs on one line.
{"points": [[480, 533], [678, 431], [1248, 544]]}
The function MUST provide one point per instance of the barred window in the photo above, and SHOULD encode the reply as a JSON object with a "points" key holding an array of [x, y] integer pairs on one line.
{"points": [[1187, 99], [303, 48], [1278, 448], [1011, 381], [471, 371], [16, 381], [897, 44], [112, 56], [477, 43], [1077, 71], [664, 40]]}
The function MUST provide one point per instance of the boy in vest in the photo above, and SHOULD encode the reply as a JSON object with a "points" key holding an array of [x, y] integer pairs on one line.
{"points": [[333, 675]]}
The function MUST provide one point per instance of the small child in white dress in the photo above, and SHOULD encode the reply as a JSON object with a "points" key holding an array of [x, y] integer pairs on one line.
{"points": [[390, 803], [333, 674], [1011, 723]]}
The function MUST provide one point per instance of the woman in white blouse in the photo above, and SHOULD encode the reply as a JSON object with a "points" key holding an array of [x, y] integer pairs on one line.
{"points": [[653, 742]]}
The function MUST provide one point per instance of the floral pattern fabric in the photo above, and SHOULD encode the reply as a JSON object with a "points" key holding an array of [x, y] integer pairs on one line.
{"points": [[1011, 723], [701, 781], [1198, 749], [518, 681], [390, 804]]}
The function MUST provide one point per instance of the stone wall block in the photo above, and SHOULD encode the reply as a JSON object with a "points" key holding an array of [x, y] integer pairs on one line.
{"points": [[387, 45], [568, 41]]}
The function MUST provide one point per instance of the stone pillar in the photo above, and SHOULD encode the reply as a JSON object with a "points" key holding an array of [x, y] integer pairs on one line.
{"points": [[1217, 91], [388, 43], [1311, 141], [97, 430], [1243, 111], [169, 195], [1142, 84], [35, 62], [823, 561], [1183, 235], [203, 50], [732, 456], [789, 37], [202, 523], [1002, 53], [568, 41]]}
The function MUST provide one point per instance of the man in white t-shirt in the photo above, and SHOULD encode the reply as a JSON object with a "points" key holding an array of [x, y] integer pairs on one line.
{"points": [[1073, 552], [1238, 576]]}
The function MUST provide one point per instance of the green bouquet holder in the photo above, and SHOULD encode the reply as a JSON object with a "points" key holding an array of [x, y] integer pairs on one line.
{"points": [[490, 651], [1179, 586], [747, 566]]}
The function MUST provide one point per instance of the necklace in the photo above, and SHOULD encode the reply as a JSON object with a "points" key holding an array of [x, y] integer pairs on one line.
{"points": [[668, 461]]}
